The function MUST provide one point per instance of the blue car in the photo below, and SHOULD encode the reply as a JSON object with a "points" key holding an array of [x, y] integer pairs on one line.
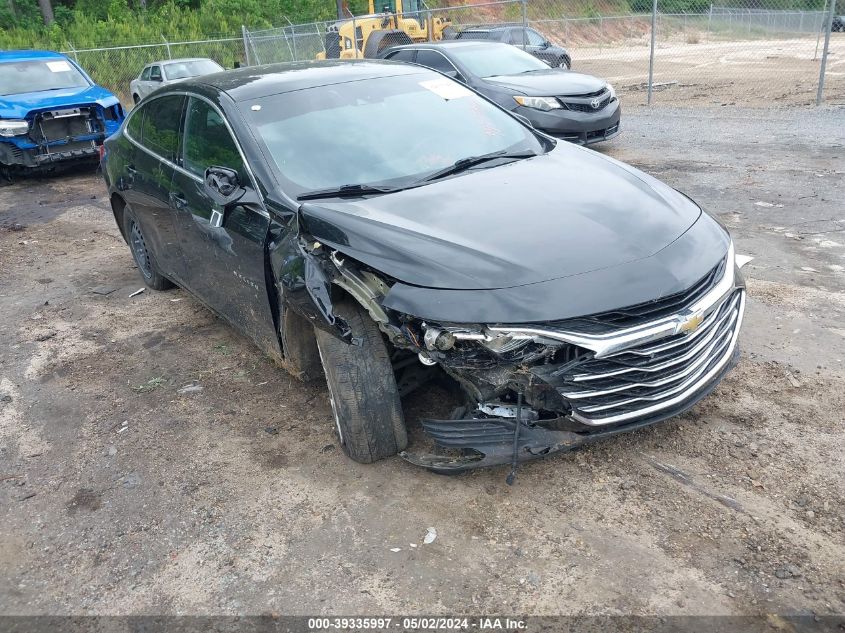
{"points": [[51, 111]]}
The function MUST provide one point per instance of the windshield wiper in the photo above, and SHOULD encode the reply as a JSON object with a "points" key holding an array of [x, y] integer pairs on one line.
{"points": [[471, 161], [347, 191]]}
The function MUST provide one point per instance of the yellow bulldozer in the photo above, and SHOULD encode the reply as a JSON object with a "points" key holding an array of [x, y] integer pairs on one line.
{"points": [[399, 22]]}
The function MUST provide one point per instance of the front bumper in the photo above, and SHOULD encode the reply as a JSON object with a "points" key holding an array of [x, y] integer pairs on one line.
{"points": [[68, 134], [486, 442], [605, 379], [583, 128]]}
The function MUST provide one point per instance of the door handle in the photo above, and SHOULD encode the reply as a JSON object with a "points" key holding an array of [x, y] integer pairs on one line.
{"points": [[177, 200]]}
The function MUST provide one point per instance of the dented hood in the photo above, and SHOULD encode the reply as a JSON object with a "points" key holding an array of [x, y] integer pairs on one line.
{"points": [[565, 213]]}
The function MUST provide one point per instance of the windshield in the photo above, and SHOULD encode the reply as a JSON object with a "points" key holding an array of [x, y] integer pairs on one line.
{"points": [[393, 130], [34, 76], [489, 61], [194, 68]]}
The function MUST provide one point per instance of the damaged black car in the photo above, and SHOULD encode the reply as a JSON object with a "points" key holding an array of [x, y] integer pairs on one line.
{"points": [[372, 221]]}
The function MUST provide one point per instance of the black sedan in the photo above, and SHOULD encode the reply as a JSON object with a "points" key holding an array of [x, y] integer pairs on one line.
{"points": [[569, 106], [381, 224], [526, 38]]}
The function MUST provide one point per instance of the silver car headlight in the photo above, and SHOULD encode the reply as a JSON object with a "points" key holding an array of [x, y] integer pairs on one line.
{"points": [[13, 127], [612, 91], [539, 103]]}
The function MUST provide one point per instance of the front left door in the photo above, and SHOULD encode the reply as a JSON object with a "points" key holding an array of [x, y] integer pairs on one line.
{"points": [[225, 259]]}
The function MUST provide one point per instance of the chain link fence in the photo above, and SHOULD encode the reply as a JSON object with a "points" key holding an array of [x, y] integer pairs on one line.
{"points": [[115, 67], [748, 52], [679, 52]]}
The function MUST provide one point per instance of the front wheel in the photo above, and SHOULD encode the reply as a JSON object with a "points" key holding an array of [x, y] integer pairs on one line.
{"points": [[564, 63], [362, 388], [141, 253]]}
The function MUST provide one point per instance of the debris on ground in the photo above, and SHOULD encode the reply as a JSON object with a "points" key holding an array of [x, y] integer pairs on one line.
{"points": [[191, 388], [137, 292], [103, 290], [430, 535]]}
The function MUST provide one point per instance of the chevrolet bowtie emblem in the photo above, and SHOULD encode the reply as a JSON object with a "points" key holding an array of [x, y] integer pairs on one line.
{"points": [[688, 323]]}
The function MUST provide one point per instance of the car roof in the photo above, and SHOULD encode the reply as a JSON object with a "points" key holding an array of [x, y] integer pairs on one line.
{"points": [[255, 82], [164, 62], [453, 44], [22, 56]]}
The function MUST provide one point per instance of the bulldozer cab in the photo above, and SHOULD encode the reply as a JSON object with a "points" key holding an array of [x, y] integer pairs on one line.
{"points": [[396, 6]]}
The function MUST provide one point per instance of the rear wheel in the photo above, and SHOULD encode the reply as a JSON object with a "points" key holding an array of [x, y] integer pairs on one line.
{"points": [[141, 253], [362, 388]]}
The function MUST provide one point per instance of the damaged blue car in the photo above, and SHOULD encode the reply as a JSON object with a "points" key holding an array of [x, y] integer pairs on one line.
{"points": [[51, 111]]}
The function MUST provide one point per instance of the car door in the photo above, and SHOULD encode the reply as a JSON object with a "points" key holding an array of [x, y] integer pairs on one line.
{"points": [[155, 80], [142, 83], [534, 43], [154, 130], [223, 246]]}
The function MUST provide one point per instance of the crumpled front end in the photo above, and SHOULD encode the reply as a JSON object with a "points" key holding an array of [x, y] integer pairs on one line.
{"points": [[61, 134], [539, 388], [585, 378]]}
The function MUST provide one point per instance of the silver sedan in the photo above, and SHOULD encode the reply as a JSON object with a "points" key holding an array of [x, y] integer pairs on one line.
{"points": [[158, 74]]}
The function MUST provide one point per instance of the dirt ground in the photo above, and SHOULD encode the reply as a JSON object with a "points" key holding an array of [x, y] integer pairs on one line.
{"points": [[123, 493], [692, 68]]}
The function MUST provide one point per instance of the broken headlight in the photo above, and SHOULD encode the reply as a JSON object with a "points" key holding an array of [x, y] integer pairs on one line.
{"points": [[13, 127], [445, 338]]}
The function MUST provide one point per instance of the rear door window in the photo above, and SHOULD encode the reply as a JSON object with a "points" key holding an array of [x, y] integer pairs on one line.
{"points": [[135, 125], [435, 61], [405, 55], [162, 118]]}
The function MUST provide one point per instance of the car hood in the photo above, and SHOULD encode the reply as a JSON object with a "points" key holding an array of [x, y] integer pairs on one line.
{"points": [[551, 82], [564, 213], [19, 105]]}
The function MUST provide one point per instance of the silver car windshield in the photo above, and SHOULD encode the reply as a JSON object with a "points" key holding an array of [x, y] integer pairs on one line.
{"points": [[385, 130], [38, 75], [490, 61], [193, 68]]}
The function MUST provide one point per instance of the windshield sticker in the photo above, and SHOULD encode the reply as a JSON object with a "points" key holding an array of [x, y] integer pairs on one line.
{"points": [[446, 88], [58, 67]]}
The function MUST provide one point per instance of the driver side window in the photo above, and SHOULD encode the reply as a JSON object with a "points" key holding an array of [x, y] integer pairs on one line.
{"points": [[207, 141]]}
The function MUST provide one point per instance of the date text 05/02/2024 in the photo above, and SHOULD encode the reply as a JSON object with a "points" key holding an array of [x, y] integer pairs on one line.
{"points": [[416, 623]]}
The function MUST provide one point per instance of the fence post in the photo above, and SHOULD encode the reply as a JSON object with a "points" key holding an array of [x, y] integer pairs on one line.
{"points": [[355, 38], [651, 53], [710, 19], [820, 93], [73, 51], [247, 60], [167, 44], [524, 23]]}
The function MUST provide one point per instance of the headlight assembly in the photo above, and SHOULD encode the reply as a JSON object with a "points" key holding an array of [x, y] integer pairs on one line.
{"points": [[13, 127], [539, 103], [612, 91]]}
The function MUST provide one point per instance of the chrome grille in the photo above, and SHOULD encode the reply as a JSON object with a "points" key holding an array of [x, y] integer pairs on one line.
{"points": [[654, 376], [582, 103], [648, 311]]}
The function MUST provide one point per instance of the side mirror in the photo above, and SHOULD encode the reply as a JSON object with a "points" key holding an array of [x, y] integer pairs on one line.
{"points": [[545, 44], [155, 77], [222, 186]]}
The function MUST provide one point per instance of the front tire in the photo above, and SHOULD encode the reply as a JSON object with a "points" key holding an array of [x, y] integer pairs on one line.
{"points": [[362, 388], [144, 258], [564, 63]]}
